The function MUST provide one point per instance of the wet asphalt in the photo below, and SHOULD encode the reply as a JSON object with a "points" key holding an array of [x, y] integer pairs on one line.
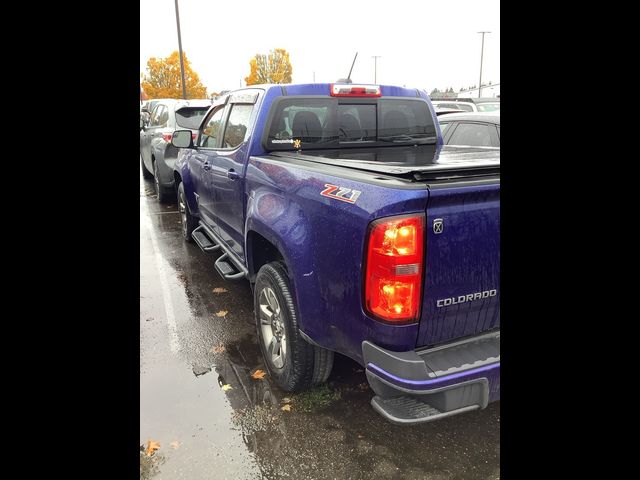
{"points": [[212, 420]]}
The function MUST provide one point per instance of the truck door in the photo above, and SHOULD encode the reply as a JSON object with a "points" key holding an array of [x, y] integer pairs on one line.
{"points": [[208, 145], [227, 167]]}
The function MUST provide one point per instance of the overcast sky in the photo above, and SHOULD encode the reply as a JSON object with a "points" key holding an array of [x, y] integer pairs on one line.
{"points": [[423, 43]]}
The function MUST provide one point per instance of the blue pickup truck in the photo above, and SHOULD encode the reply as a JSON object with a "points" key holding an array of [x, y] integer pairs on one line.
{"points": [[360, 233]]}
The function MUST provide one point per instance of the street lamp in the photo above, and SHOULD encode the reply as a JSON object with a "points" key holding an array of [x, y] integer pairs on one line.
{"points": [[184, 85], [481, 54]]}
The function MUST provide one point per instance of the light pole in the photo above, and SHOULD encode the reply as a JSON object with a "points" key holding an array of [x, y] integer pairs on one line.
{"points": [[481, 54], [184, 86], [375, 67]]}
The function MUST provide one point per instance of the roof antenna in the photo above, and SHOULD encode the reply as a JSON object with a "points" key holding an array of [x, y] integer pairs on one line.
{"points": [[348, 79]]}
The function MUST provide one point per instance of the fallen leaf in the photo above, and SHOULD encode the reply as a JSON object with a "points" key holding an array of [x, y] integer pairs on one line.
{"points": [[220, 290], [221, 313], [152, 446], [363, 386], [175, 444], [226, 387], [286, 400], [258, 374], [286, 408], [218, 349]]}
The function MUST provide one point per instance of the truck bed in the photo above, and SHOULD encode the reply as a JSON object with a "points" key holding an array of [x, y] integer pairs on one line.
{"points": [[462, 187], [420, 162]]}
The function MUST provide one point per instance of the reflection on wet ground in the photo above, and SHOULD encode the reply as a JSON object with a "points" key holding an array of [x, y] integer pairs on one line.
{"points": [[212, 419]]}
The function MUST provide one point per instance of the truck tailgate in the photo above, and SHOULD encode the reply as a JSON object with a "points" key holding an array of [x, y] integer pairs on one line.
{"points": [[462, 278]]}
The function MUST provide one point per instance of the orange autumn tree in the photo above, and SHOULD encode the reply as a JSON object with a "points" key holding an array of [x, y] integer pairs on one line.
{"points": [[163, 78], [273, 67]]}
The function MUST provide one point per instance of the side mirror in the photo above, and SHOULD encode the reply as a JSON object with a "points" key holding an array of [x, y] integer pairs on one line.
{"points": [[182, 139]]}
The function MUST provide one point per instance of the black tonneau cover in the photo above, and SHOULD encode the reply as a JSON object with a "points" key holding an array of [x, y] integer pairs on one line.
{"points": [[420, 161]]}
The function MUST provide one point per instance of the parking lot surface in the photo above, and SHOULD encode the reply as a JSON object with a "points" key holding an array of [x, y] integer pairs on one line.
{"points": [[212, 419]]}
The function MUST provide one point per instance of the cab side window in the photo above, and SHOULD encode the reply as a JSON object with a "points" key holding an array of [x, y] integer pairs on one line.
{"points": [[211, 131], [158, 115], [164, 116], [236, 130]]}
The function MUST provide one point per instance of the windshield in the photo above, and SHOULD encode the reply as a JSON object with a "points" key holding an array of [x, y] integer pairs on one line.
{"points": [[321, 122], [190, 117]]}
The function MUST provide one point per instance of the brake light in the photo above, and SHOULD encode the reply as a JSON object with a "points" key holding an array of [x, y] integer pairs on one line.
{"points": [[347, 90], [193, 136], [393, 277], [167, 137]]}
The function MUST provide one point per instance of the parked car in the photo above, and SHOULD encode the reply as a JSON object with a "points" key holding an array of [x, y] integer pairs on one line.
{"points": [[145, 110], [473, 129], [483, 104], [443, 110], [452, 105], [352, 223], [157, 155]]}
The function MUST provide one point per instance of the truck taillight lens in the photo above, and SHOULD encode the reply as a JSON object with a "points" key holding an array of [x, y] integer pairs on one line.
{"points": [[393, 277], [167, 137]]}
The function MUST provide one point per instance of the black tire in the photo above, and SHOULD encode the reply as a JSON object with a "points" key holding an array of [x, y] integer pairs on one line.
{"points": [[188, 221], [322, 365], [164, 195], [146, 174], [297, 371]]}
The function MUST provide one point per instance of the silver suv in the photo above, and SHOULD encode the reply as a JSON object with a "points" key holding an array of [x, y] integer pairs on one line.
{"points": [[157, 155]]}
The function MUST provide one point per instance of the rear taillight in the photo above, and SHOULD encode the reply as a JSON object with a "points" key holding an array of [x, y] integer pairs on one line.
{"points": [[348, 90], [167, 137], [193, 136], [393, 277]]}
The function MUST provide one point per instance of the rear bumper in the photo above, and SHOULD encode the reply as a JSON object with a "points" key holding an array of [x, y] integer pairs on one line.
{"points": [[425, 385]]}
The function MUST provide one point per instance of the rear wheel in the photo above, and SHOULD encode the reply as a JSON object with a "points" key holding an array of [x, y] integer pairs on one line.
{"points": [[163, 194], [146, 174], [188, 222], [289, 358], [322, 365]]}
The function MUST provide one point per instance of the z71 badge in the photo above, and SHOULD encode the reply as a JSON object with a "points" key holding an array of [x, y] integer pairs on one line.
{"points": [[340, 193]]}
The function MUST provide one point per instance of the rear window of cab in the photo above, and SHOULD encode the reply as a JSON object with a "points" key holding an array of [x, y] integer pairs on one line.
{"points": [[324, 122]]}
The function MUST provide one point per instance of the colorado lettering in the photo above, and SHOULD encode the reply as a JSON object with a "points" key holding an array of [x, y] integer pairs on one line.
{"points": [[445, 302]]}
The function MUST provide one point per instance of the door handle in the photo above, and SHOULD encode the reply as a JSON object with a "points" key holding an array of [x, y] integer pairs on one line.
{"points": [[232, 174]]}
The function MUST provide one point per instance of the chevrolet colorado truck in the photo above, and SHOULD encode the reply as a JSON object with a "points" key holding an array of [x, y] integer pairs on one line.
{"points": [[360, 233]]}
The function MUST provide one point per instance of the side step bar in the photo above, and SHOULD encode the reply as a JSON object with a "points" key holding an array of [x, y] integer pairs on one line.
{"points": [[205, 244], [406, 410], [224, 268], [227, 265]]}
